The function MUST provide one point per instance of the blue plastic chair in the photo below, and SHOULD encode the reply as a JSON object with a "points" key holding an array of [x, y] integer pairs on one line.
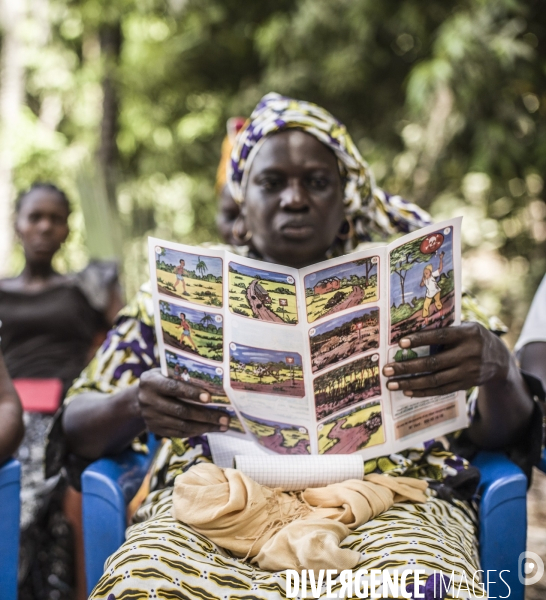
{"points": [[10, 488], [109, 484], [503, 522]]}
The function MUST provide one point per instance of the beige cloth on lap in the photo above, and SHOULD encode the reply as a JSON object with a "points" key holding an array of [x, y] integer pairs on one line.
{"points": [[281, 530]]}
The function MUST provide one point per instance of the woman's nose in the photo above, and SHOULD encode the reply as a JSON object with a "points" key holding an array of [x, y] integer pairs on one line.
{"points": [[294, 196], [45, 224]]}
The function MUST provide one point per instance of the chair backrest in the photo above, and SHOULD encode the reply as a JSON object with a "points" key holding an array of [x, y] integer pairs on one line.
{"points": [[39, 395], [10, 488], [503, 523], [108, 485]]}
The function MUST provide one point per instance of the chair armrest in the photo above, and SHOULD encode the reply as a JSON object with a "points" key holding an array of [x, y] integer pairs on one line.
{"points": [[503, 522], [10, 487], [108, 485]]}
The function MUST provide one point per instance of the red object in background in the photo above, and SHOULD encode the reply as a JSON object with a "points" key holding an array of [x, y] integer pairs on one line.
{"points": [[431, 243], [39, 395]]}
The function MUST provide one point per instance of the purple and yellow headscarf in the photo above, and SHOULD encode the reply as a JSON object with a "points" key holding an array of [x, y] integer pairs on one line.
{"points": [[371, 209]]}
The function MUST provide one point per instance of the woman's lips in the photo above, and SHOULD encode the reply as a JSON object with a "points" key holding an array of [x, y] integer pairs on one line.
{"points": [[297, 231]]}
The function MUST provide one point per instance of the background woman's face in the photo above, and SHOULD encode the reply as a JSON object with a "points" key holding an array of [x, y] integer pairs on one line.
{"points": [[42, 224], [294, 199]]}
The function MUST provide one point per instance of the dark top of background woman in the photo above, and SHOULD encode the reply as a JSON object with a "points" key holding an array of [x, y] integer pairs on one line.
{"points": [[49, 333]]}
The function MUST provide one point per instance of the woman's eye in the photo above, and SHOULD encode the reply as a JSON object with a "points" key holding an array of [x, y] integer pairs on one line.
{"points": [[318, 183], [271, 183]]}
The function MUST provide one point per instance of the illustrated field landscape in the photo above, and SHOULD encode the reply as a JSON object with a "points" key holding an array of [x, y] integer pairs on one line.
{"points": [[408, 290], [344, 336], [200, 374], [201, 277], [346, 385], [206, 330], [279, 437], [338, 288], [263, 295], [266, 371], [355, 429]]}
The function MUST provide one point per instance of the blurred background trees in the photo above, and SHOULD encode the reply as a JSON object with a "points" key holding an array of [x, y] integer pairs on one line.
{"points": [[123, 103]]}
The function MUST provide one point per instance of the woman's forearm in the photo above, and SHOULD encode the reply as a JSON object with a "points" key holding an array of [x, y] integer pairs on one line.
{"points": [[97, 424], [503, 411], [11, 428], [11, 415]]}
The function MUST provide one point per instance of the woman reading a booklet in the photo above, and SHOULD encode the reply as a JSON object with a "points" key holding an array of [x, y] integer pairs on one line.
{"points": [[305, 195]]}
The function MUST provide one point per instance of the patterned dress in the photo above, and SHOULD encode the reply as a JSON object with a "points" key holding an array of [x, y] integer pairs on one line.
{"points": [[163, 558]]}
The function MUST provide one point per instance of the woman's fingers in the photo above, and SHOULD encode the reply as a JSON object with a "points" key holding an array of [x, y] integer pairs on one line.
{"points": [[439, 391], [455, 368], [426, 364], [185, 411], [175, 409], [445, 336], [157, 383], [187, 422], [434, 381]]}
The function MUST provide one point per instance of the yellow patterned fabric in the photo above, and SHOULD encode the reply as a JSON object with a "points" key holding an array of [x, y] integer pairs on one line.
{"points": [[165, 559]]}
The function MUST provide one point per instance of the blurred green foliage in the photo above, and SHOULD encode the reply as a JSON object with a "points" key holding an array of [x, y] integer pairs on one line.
{"points": [[445, 99]]}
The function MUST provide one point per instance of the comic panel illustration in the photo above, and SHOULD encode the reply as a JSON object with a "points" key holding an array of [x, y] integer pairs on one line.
{"points": [[344, 286], [355, 429], [422, 284], [263, 295], [344, 336], [194, 278], [279, 437], [266, 371], [196, 331], [208, 377], [347, 385]]}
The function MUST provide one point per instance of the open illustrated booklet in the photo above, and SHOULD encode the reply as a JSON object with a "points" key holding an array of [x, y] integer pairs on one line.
{"points": [[296, 356]]}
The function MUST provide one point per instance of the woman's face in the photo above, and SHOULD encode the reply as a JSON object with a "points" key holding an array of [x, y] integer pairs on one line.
{"points": [[42, 225], [294, 199]]}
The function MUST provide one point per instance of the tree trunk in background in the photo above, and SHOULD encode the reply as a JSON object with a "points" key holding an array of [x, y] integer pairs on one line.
{"points": [[97, 179], [11, 98], [110, 44]]}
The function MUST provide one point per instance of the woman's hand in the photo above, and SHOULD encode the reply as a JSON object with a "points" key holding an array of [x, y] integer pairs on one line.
{"points": [[471, 356], [169, 409]]}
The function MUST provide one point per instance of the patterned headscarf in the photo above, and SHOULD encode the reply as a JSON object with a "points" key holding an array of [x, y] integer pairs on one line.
{"points": [[371, 209]]}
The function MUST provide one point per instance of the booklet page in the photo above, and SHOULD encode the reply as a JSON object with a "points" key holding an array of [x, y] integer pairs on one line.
{"points": [[296, 356]]}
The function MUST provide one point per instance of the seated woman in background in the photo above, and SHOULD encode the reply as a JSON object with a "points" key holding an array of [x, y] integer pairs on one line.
{"points": [[11, 414], [51, 325], [306, 195]]}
